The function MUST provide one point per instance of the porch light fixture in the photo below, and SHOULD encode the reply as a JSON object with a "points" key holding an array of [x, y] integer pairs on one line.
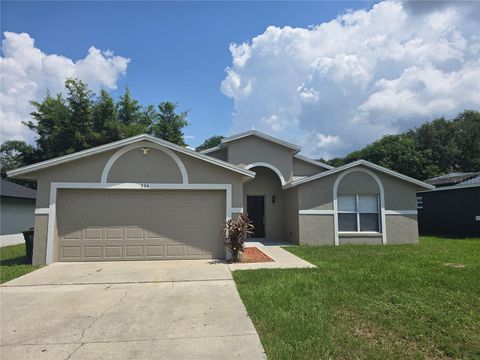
{"points": [[273, 199], [145, 150]]}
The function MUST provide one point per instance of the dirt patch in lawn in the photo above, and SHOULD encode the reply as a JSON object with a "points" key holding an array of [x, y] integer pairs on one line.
{"points": [[254, 255]]}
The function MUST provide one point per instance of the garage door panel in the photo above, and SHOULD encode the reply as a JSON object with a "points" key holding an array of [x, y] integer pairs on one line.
{"points": [[112, 252], [73, 233], [95, 215], [93, 234], [134, 233], [115, 216], [134, 251], [71, 252], [94, 252], [134, 225], [154, 251], [114, 233]]}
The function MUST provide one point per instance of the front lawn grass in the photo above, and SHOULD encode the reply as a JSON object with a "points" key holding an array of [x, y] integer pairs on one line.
{"points": [[370, 302], [13, 262]]}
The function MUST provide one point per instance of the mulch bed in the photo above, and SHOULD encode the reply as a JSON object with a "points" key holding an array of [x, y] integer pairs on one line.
{"points": [[254, 255]]}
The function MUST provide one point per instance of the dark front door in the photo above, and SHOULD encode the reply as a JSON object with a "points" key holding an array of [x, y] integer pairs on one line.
{"points": [[256, 213]]}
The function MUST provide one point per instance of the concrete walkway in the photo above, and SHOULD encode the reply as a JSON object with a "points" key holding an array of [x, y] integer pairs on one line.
{"points": [[282, 258], [126, 310]]}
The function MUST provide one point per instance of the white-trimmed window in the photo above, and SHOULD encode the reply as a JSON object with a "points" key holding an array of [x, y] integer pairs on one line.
{"points": [[358, 213], [419, 202]]}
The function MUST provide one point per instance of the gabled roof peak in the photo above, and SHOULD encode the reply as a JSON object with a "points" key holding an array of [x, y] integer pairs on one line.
{"points": [[365, 163], [264, 136], [117, 144]]}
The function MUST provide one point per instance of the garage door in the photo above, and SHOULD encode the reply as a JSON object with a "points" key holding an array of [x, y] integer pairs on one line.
{"points": [[105, 225]]}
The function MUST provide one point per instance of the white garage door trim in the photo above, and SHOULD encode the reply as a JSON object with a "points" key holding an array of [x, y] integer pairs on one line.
{"points": [[130, 186]]}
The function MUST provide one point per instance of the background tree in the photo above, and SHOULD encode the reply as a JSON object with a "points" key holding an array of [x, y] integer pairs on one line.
{"points": [[81, 119], [14, 154], [435, 148], [211, 142], [169, 124], [106, 127], [466, 137]]}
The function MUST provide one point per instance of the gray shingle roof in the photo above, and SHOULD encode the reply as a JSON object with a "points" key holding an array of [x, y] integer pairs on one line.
{"points": [[472, 181], [452, 179], [10, 189]]}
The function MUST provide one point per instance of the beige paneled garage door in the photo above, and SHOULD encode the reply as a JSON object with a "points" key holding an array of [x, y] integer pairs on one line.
{"points": [[104, 225]]}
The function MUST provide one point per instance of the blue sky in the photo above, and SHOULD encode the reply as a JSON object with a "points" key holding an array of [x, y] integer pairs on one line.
{"points": [[179, 52]]}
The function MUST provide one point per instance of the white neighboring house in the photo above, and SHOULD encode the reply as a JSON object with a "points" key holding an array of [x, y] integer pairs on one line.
{"points": [[17, 212]]}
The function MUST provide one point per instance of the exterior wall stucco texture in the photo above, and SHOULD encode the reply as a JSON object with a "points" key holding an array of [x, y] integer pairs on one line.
{"points": [[303, 168], [402, 229], [318, 195], [291, 217], [316, 230], [135, 167], [252, 149], [220, 154], [40, 240]]}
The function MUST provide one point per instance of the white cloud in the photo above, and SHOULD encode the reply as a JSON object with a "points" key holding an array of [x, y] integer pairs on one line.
{"points": [[337, 86], [26, 73]]}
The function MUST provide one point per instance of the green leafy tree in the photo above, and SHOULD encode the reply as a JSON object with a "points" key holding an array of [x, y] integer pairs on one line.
{"points": [[435, 148], [79, 129], [436, 137], [466, 137], [81, 120], [169, 124], [129, 110], [51, 120], [14, 154], [210, 142], [106, 127]]}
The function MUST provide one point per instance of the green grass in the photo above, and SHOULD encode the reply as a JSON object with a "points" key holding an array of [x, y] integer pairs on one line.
{"points": [[13, 263], [370, 302]]}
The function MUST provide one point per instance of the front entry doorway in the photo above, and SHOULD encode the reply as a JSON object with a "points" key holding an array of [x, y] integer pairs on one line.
{"points": [[256, 213]]}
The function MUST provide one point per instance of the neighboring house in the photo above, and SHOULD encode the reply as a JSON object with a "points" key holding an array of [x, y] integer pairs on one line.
{"points": [[17, 208], [453, 208], [143, 198]]}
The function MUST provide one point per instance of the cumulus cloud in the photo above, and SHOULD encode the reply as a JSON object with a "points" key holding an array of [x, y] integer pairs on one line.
{"points": [[337, 86], [26, 73]]}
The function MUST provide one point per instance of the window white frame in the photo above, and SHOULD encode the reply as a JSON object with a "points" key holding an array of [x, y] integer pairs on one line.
{"points": [[419, 202], [358, 213], [382, 204]]}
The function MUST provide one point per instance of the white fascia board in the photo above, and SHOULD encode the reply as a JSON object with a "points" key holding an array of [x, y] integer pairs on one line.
{"points": [[263, 136], [313, 162], [360, 163], [209, 150], [74, 156], [102, 148]]}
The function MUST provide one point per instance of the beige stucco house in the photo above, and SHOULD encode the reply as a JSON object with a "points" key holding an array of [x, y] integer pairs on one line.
{"points": [[143, 198]]}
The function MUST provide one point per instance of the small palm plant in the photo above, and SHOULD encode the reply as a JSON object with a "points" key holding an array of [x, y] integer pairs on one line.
{"points": [[236, 230]]}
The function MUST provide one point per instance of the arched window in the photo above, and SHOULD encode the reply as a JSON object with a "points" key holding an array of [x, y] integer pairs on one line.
{"points": [[358, 201]]}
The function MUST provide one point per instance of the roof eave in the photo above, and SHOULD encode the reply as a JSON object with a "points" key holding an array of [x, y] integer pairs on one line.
{"points": [[357, 163], [314, 162], [25, 170], [286, 144]]}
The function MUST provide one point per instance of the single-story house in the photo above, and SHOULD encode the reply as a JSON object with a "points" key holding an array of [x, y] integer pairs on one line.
{"points": [[143, 198], [453, 208], [17, 208]]}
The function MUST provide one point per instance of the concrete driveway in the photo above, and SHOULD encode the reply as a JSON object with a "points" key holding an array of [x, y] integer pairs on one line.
{"points": [[126, 310]]}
